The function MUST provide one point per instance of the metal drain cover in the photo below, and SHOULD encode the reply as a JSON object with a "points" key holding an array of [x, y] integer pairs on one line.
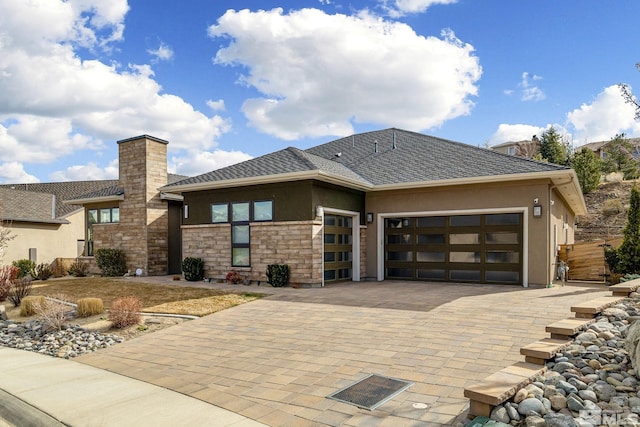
{"points": [[371, 391]]}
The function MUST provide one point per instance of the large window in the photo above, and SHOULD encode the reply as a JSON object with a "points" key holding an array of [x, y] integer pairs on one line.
{"points": [[239, 215], [99, 216]]}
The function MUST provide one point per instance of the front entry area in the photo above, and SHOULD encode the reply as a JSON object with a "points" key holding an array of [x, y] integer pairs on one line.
{"points": [[481, 248]]}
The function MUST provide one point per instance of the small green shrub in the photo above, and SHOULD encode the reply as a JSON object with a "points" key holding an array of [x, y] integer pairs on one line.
{"points": [[78, 268], [112, 262], [612, 207], [125, 312], [628, 277], [193, 269], [29, 305], [278, 275], [612, 258], [25, 267], [90, 307], [43, 271]]}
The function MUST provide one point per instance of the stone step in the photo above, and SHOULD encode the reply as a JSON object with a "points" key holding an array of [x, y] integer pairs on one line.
{"points": [[589, 309], [567, 328], [499, 387], [625, 288], [540, 352]]}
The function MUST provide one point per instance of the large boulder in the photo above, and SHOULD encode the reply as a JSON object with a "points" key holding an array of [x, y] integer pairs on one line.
{"points": [[631, 345]]}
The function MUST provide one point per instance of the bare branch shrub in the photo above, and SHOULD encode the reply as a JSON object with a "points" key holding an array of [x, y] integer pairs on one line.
{"points": [[89, 307], [28, 305], [125, 312], [8, 274], [19, 289], [53, 312], [78, 268]]}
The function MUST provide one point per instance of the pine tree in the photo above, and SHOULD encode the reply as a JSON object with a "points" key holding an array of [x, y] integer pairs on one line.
{"points": [[629, 250], [553, 148], [587, 167]]}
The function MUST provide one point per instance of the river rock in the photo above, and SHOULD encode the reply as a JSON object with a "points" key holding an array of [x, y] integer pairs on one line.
{"points": [[530, 405]]}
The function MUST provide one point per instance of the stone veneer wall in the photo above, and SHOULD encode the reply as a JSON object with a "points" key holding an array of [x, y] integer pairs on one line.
{"points": [[363, 252], [296, 243], [142, 232]]}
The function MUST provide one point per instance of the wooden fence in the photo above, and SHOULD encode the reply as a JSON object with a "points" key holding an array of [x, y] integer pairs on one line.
{"points": [[586, 260]]}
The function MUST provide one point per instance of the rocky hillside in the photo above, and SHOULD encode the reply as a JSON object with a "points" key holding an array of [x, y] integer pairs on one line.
{"points": [[607, 212]]}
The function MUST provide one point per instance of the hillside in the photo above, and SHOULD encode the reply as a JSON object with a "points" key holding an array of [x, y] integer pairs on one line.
{"points": [[607, 212]]}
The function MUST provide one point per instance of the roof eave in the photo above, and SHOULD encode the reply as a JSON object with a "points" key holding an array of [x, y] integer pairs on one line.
{"points": [[268, 179], [36, 220], [88, 200]]}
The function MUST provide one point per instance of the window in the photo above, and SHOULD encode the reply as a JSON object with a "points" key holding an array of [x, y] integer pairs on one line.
{"points": [[512, 151], [240, 212], [219, 213], [240, 235], [109, 215], [263, 211], [99, 216]]}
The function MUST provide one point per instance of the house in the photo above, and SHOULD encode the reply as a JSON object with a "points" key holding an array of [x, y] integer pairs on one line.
{"points": [[600, 147], [526, 149], [43, 226], [389, 204]]}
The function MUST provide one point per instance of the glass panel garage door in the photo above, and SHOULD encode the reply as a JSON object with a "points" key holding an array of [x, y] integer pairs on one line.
{"points": [[462, 248], [338, 248]]}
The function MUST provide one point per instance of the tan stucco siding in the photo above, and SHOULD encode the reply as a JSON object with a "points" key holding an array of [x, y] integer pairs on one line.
{"points": [[51, 241], [518, 196]]}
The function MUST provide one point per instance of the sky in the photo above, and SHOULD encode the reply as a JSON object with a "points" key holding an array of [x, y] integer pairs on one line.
{"points": [[225, 81]]}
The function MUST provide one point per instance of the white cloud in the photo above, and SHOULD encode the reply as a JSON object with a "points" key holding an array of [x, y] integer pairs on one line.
{"points": [[53, 102], [216, 105], [319, 73], [90, 171], [403, 7], [13, 172], [514, 133], [202, 162], [603, 118], [162, 53], [531, 92]]}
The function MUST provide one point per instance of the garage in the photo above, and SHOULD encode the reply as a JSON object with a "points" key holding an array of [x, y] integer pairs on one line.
{"points": [[479, 248]]}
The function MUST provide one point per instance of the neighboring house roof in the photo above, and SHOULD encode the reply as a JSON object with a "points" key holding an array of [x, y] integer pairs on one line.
{"points": [[387, 159], [62, 191], [599, 145], [28, 206], [511, 143]]}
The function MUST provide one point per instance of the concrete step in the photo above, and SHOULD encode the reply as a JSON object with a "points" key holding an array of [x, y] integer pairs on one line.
{"points": [[540, 352], [499, 387], [593, 307], [567, 328], [625, 288]]}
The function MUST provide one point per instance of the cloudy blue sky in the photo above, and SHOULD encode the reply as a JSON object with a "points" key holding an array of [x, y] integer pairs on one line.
{"points": [[225, 81]]}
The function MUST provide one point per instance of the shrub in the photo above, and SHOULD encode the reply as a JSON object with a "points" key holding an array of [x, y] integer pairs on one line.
{"points": [[78, 268], [19, 289], [612, 207], [612, 258], [25, 267], [234, 277], [90, 307], [193, 269], [53, 312], [628, 277], [125, 312], [28, 305], [8, 273], [112, 262], [278, 275], [42, 271]]}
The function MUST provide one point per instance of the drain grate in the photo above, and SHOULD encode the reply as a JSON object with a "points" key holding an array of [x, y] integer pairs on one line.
{"points": [[371, 392]]}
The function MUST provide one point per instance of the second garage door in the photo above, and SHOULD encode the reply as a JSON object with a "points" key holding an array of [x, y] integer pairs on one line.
{"points": [[483, 248]]}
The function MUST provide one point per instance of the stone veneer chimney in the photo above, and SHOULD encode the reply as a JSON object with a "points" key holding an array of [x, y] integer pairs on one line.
{"points": [[143, 215]]}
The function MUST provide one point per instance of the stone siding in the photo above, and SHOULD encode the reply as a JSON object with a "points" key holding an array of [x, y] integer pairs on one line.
{"points": [[296, 243]]}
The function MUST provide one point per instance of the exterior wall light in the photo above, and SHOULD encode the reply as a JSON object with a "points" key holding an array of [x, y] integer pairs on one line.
{"points": [[537, 208], [369, 217]]}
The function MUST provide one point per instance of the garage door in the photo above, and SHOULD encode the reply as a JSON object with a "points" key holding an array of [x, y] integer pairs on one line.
{"points": [[462, 248]]}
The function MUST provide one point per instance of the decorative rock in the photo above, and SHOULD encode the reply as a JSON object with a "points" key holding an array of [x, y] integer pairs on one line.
{"points": [[520, 395], [588, 395], [3, 313], [567, 387], [512, 411], [499, 413], [560, 420], [558, 402], [536, 421], [575, 403], [530, 405]]}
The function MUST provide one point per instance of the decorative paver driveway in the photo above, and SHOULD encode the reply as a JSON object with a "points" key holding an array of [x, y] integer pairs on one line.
{"points": [[276, 359]]}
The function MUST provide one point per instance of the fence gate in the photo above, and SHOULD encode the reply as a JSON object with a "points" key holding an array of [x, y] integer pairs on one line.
{"points": [[586, 260]]}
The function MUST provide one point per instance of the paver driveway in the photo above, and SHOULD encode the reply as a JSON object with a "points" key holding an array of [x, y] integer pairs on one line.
{"points": [[275, 360]]}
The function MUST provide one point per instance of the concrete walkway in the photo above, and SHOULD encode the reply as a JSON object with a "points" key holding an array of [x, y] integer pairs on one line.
{"points": [[37, 390], [277, 359]]}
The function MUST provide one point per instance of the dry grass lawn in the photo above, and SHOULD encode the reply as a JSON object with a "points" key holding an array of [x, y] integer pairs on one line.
{"points": [[179, 299]]}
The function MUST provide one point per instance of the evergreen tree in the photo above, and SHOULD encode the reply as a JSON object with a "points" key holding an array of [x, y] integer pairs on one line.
{"points": [[619, 154], [587, 167], [553, 148], [629, 250]]}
